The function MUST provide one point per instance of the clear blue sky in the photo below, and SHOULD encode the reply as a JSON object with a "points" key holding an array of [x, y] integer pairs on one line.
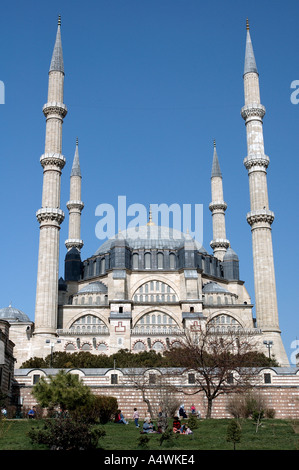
{"points": [[149, 84]]}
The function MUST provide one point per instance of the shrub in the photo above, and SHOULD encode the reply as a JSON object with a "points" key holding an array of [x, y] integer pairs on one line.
{"points": [[192, 422], [100, 409], [66, 434], [143, 441], [270, 413]]}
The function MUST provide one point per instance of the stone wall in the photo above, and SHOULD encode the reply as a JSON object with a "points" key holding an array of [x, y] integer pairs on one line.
{"points": [[281, 394]]}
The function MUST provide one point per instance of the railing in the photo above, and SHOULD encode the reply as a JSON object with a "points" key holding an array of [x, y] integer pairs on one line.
{"points": [[156, 330], [98, 331]]}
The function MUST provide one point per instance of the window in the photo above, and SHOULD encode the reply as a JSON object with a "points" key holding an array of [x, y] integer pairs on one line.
{"points": [[172, 261], [160, 260], [147, 261], [267, 378], [191, 378], [152, 379], [135, 261], [230, 378], [114, 379], [103, 265], [36, 379]]}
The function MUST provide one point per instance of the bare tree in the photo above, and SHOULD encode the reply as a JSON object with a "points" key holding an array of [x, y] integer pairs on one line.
{"points": [[222, 362], [157, 392]]}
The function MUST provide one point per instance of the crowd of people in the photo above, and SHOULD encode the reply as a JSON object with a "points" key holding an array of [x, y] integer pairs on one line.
{"points": [[148, 426]]}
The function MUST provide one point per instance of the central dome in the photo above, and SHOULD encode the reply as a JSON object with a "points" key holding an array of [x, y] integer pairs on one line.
{"points": [[151, 236]]}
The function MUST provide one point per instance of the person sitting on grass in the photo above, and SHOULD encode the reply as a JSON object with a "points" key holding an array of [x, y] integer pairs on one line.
{"points": [[148, 426], [176, 425], [119, 418]]}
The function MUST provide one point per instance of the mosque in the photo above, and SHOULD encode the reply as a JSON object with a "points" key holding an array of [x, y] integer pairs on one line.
{"points": [[141, 293]]}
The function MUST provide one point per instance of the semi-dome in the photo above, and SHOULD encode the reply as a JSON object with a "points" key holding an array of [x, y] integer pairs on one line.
{"points": [[12, 314], [214, 287], [150, 236], [94, 287]]}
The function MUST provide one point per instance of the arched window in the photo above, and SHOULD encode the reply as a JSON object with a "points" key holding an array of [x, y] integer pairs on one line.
{"points": [[160, 261], [135, 260], [102, 265], [139, 346], [172, 261], [147, 261], [153, 289]]}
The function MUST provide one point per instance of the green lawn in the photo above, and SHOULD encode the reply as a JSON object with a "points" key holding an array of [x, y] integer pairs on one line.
{"points": [[210, 435]]}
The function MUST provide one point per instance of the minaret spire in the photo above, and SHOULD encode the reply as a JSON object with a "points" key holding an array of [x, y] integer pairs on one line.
{"points": [[218, 208], [75, 205], [50, 216], [250, 64], [57, 56], [260, 218]]}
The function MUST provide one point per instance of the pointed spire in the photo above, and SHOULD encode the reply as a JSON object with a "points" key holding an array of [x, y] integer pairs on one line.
{"points": [[76, 171], [215, 166], [57, 57], [250, 65]]}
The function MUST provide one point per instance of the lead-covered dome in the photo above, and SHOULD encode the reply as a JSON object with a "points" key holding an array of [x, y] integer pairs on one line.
{"points": [[13, 315], [94, 287], [150, 237]]}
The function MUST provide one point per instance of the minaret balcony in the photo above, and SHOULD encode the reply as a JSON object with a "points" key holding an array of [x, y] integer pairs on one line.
{"points": [[218, 206], [52, 160], [76, 206], [256, 162], [47, 215], [259, 218], [54, 108], [253, 112]]}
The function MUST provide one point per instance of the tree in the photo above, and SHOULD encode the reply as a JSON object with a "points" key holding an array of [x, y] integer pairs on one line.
{"points": [[64, 390], [222, 363], [156, 392], [233, 432]]}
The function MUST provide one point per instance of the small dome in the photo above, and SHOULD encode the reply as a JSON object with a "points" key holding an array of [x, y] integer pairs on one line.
{"points": [[230, 255], [94, 287], [12, 314], [213, 287]]}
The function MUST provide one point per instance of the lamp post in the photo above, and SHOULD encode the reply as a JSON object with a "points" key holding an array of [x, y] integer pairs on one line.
{"points": [[268, 345]]}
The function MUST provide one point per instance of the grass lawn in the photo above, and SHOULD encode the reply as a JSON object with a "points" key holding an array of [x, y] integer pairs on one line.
{"points": [[274, 434]]}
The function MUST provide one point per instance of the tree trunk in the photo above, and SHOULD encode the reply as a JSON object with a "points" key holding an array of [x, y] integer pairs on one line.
{"points": [[149, 406], [209, 409]]}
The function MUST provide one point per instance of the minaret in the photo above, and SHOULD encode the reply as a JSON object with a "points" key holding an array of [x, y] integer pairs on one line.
{"points": [[260, 217], [50, 216], [218, 208], [75, 205]]}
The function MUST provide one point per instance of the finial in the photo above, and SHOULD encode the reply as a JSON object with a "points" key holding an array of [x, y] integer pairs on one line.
{"points": [[214, 143], [77, 141], [247, 24], [59, 20], [150, 220]]}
